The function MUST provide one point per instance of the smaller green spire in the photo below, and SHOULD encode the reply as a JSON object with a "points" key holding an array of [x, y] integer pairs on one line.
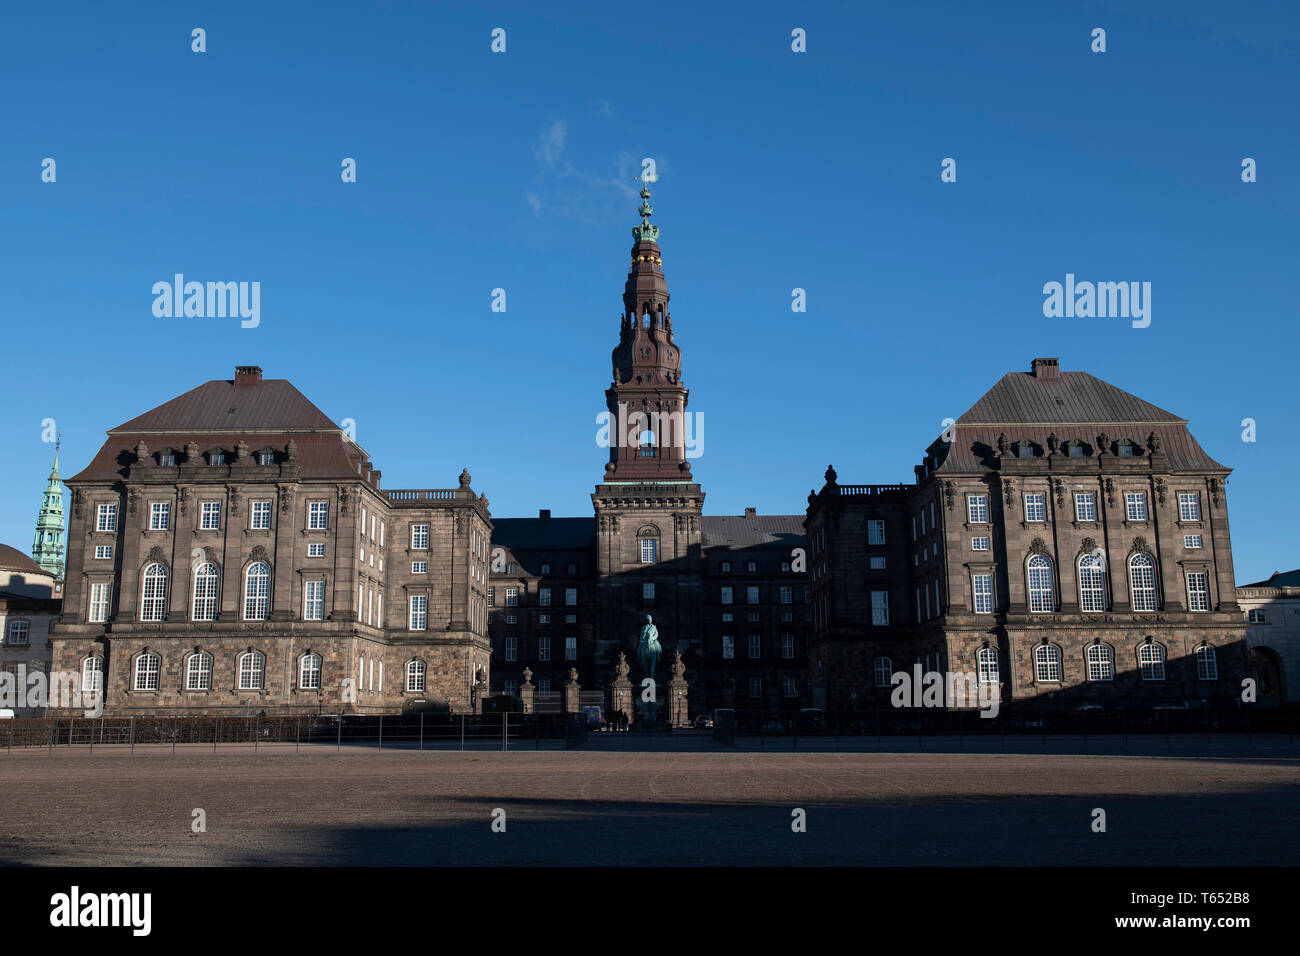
{"points": [[47, 549]]}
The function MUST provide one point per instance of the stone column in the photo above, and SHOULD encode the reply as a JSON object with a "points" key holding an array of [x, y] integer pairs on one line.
{"points": [[620, 694], [526, 691], [678, 711], [571, 690]]}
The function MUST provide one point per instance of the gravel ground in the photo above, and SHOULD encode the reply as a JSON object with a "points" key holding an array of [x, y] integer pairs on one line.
{"points": [[591, 808]]}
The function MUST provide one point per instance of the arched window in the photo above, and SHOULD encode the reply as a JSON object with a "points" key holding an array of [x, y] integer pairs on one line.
{"points": [[988, 665], [1101, 662], [153, 593], [252, 670], [1092, 584], [884, 672], [1039, 568], [147, 668], [309, 667], [1142, 582], [204, 607], [415, 676], [1207, 663], [92, 675], [1047, 664], [1151, 660], [257, 592], [198, 671], [751, 566]]}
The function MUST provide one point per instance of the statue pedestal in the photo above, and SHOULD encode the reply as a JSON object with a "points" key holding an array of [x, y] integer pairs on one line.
{"points": [[678, 709], [622, 698]]}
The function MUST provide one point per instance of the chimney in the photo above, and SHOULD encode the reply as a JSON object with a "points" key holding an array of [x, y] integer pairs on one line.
{"points": [[1046, 368], [247, 374], [751, 512], [544, 514]]}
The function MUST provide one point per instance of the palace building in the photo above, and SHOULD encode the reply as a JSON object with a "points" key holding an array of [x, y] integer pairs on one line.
{"points": [[233, 549], [1065, 540]]}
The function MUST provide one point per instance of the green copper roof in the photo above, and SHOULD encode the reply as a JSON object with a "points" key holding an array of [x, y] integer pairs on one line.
{"points": [[645, 232], [47, 548]]}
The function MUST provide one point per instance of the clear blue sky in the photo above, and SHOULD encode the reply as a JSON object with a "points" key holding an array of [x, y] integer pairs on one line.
{"points": [[777, 170]]}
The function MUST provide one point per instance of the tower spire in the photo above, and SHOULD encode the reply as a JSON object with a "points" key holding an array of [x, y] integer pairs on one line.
{"points": [[647, 399], [47, 549]]}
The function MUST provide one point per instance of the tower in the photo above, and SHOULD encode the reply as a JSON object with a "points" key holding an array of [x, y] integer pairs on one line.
{"points": [[47, 548], [648, 507]]}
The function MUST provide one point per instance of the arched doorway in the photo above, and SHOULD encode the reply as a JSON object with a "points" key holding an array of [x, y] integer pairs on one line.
{"points": [[1266, 668]]}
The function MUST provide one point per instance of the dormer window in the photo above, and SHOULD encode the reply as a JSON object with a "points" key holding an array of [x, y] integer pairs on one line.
{"points": [[167, 458], [266, 456], [1126, 449], [1026, 450], [216, 457], [1075, 449]]}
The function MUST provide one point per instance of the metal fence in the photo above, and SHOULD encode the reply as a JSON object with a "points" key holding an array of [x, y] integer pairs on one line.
{"points": [[398, 731], [506, 731]]}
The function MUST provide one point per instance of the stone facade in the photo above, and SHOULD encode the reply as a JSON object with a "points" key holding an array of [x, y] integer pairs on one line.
{"points": [[1103, 541], [1272, 612], [211, 565]]}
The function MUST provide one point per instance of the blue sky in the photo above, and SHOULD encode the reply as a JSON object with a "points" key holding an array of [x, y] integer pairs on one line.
{"points": [[777, 170]]}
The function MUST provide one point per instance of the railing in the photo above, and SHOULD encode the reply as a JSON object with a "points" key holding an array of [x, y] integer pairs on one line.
{"points": [[422, 494], [872, 489]]}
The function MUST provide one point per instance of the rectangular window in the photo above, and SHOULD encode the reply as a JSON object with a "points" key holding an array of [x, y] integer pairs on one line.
{"points": [[313, 601], [1192, 541], [318, 515], [1256, 616], [419, 537], [419, 612], [726, 594], [419, 567], [512, 648], [787, 646], [1035, 507], [880, 608], [160, 515], [1085, 506], [570, 596], [512, 597], [492, 597], [787, 595], [104, 552], [789, 687], [543, 619], [977, 509], [877, 563], [649, 548], [570, 648], [647, 591], [1189, 506], [728, 647], [99, 595], [751, 595], [316, 550], [570, 619], [983, 590], [259, 515], [543, 648], [544, 597], [106, 518], [1135, 506], [755, 647], [1198, 591], [980, 543], [755, 687], [210, 516], [876, 531]]}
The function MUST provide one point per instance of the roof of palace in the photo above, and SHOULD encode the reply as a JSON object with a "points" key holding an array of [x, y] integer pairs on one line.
{"points": [[223, 406]]}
